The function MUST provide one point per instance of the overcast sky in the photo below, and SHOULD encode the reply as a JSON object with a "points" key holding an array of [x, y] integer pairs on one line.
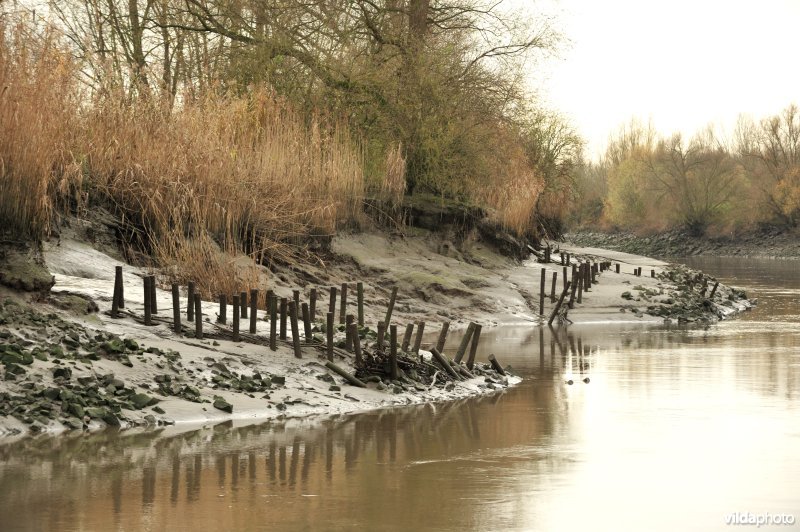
{"points": [[682, 63]]}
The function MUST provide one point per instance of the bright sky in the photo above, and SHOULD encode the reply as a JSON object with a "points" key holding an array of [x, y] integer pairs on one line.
{"points": [[681, 64]]}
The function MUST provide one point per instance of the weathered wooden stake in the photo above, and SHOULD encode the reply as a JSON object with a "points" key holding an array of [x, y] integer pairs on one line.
{"points": [[360, 300], [393, 370], [236, 318], [284, 306], [381, 335], [418, 339], [343, 307], [342, 373], [190, 304], [356, 343], [652, 273], [307, 322], [273, 322], [444, 363], [541, 293], [329, 335], [223, 309], [407, 337], [243, 304], [312, 307], [567, 259], [473, 348], [713, 290], [119, 287], [295, 330], [296, 297], [348, 337], [442, 336], [571, 303], [115, 299], [558, 305], [553, 287], [153, 299], [253, 309], [332, 300], [580, 286], [547, 254], [176, 308], [564, 275], [587, 282], [267, 299], [392, 299], [616, 267], [496, 365], [198, 317], [462, 347], [148, 309]]}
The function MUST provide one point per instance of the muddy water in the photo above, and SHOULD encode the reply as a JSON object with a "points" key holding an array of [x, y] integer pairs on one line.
{"points": [[675, 429]]}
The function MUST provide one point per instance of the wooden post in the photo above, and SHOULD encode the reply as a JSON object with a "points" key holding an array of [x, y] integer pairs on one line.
{"points": [[198, 317], [267, 299], [442, 336], [558, 305], [541, 293], [342, 373], [190, 304], [223, 309], [381, 334], [119, 287], [567, 259], [587, 282], [356, 343], [418, 339], [407, 337], [473, 348], [547, 254], [153, 300], [616, 267], [148, 309], [295, 330], [553, 287], [115, 299], [332, 301], [496, 365], [307, 322], [343, 305], [562, 258], [444, 363], [392, 299], [236, 319], [253, 309], [329, 335], [652, 273], [243, 304], [348, 337], [574, 283], [360, 299], [296, 297], [176, 308], [462, 347], [393, 370], [580, 285], [283, 310], [564, 275], [713, 290], [273, 322], [312, 307]]}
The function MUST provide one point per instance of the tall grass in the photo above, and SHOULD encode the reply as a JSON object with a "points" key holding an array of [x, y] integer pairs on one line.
{"points": [[195, 185]]}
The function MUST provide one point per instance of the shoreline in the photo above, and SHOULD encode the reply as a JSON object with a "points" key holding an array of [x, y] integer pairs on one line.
{"points": [[179, 379]]}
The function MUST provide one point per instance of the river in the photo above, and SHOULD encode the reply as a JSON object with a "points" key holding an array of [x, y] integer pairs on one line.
{"points": [[676, 429]]}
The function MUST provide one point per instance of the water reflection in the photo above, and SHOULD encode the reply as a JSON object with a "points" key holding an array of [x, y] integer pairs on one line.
{"points": [[675, 428]]}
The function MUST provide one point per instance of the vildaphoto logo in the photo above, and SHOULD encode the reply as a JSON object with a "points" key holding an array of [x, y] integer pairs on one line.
{"points": [[759, 519]]}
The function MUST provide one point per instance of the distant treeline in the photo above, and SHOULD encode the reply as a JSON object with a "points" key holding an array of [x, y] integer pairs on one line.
{"points": [[646, 182]]}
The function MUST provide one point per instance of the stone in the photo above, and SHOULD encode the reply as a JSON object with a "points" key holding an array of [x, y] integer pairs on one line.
{"points": [[278, 379], [142, 400], [158, 410], [222, 404]]}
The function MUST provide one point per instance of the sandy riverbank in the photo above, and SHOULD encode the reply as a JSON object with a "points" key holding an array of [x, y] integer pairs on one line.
{"points": [[176, 379]]}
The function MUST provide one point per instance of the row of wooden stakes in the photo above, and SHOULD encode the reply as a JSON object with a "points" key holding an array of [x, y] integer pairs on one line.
{"points": [[283, 312]]}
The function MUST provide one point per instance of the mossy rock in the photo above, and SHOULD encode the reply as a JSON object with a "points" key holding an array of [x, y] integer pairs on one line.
{"points": [[20, 270], [142, 400], [222, 404]]}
